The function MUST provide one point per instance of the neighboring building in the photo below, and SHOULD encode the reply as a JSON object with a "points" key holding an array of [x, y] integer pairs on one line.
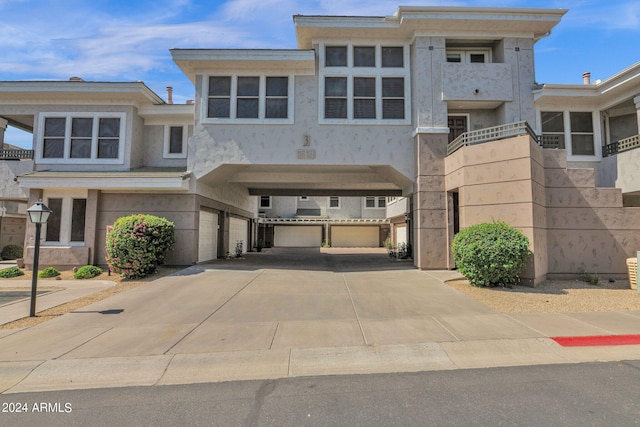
{"points": [[436, 108], [310, 221]]}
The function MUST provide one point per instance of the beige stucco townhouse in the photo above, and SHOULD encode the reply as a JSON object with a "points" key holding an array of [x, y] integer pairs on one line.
{"points": [[435, 108]]}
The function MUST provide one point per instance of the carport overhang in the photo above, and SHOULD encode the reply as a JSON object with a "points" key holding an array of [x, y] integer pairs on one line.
{"points": [[311, 180]]}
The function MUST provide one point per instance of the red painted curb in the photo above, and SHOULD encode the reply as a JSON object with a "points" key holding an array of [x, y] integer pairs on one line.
{"points": [[597, 340]]}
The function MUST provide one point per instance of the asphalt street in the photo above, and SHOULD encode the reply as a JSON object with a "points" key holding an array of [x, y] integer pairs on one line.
{"points": [[587, 394]]}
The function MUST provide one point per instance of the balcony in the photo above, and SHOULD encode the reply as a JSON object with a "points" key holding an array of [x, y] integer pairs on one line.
{"points": [[486, 84], [498, 132], [16, 154]]}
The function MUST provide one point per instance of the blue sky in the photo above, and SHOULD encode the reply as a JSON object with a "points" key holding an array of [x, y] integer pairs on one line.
{"points": [[125, 40]]}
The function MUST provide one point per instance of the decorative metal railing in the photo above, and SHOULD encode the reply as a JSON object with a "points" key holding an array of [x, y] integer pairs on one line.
{"points": [[491, 134], [16, 154], [549, 141], [625, 144]]}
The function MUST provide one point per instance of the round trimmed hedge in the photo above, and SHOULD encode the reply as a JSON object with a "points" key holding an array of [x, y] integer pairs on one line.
{"points": [[490, 254], [87, 272], [48, 272], [138, 243], [11, 251]]}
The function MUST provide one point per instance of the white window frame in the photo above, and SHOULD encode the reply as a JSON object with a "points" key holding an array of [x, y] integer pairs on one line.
{"points": [[329, 202], [568, 143], [260, 202], [167, 141], [303, 198], [262, 98], [376, 202], [465, 55], [350, 72], [95, 116], [66, 216]]}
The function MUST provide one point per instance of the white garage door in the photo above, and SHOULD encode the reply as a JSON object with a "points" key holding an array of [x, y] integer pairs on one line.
{"points": [[238, 231], [401, 234], [355, 237], [298, 236], [207, 236]]}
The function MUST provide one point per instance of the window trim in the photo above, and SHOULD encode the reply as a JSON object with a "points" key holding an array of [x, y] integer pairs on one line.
{"points": [[69, 116], [568, 142], [260, 203], [66, 217], [262, 99], [167, 141], [465, 55], [376, 202], [351, 72]]}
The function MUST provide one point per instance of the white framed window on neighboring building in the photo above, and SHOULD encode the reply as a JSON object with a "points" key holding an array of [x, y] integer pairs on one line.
{"points": [[66, 223], [334, 202], [265, 202], [574, 126], [256, 98], [375, 202], [81, 138], [175, 141], [364, 83]]}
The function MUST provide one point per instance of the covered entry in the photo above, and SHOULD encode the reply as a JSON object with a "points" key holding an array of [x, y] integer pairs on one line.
{"points": [[354, 236], [304, 236]]}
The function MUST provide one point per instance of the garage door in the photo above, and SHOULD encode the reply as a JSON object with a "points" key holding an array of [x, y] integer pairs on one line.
{"points": [[355, 237], [401, 235], [207, 236], [300, 236], [238, 231]]}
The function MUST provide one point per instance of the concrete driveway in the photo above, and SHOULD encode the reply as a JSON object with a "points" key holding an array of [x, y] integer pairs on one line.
{"points": [[275, 314]]}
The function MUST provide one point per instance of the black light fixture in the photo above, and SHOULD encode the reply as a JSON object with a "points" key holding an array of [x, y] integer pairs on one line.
{"points": [[38, 214]]}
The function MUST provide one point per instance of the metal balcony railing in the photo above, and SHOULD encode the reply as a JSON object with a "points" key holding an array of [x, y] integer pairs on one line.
{"points": [[491, 134], [625, 144], [16, 154]]}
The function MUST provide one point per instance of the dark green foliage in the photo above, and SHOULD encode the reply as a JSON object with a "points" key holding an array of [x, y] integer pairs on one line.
{"points": [[490, 254], [48, 272], [137, 244], [87, 272], [10, 272], [11, 252]]}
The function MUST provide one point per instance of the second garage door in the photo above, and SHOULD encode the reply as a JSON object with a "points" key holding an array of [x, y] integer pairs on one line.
{"points": [[238, 232], [298, 236], [355, 237]]}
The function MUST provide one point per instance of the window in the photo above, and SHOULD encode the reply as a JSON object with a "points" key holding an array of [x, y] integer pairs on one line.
{"points": [[553, 125], [175, 141], [368, 83], [582, 133], [79, 139], [334, 202], [67, 220], [248, 97], [265, 202], [472, 56], [375, 202], [304, 198]]}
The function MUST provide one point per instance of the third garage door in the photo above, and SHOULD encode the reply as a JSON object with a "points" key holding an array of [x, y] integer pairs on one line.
{"points": [[301, 236], [355, 236]]}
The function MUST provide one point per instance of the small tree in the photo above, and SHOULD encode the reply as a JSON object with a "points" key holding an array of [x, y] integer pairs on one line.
{"points": [[490, 254], [138, 243]]}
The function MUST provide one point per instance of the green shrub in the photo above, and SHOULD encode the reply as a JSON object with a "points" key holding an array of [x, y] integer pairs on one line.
{"points": [[11, 252], [48, 272], [10, 272], [490, 254], [87, 272], [137, 244]]}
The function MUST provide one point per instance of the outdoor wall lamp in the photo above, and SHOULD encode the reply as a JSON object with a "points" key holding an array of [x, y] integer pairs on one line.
{"points": [[38, 214]]}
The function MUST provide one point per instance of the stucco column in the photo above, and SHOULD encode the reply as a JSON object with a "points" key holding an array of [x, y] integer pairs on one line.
{"points": [[430, 245], [30, 231], [3, 127], [637, 102], [91, 225]]}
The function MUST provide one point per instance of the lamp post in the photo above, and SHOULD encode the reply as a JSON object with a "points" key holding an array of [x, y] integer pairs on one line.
{"points": [[38, 214]]}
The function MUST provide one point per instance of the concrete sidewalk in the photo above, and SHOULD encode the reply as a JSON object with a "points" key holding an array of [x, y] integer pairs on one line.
{"points": [[259, 319]]}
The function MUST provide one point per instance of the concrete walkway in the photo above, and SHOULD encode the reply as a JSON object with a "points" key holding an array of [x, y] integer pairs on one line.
{"points": [[287, 313]]}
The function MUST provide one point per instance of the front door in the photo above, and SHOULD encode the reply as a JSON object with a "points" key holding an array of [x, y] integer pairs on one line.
{"points": [[457, 126]]}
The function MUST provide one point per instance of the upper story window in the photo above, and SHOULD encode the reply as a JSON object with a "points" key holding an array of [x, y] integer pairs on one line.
{"points": [[371, 202], [81, 137], [574, 126], [265, 202], [364, 83], [334, 202], [254, 98], [469, 56], [175, 142]]}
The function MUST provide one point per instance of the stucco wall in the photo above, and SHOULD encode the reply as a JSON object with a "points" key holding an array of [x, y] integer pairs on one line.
{"points": [[9, 188], [154, 148], [12, 231], [623, 126], [628, 171]]}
